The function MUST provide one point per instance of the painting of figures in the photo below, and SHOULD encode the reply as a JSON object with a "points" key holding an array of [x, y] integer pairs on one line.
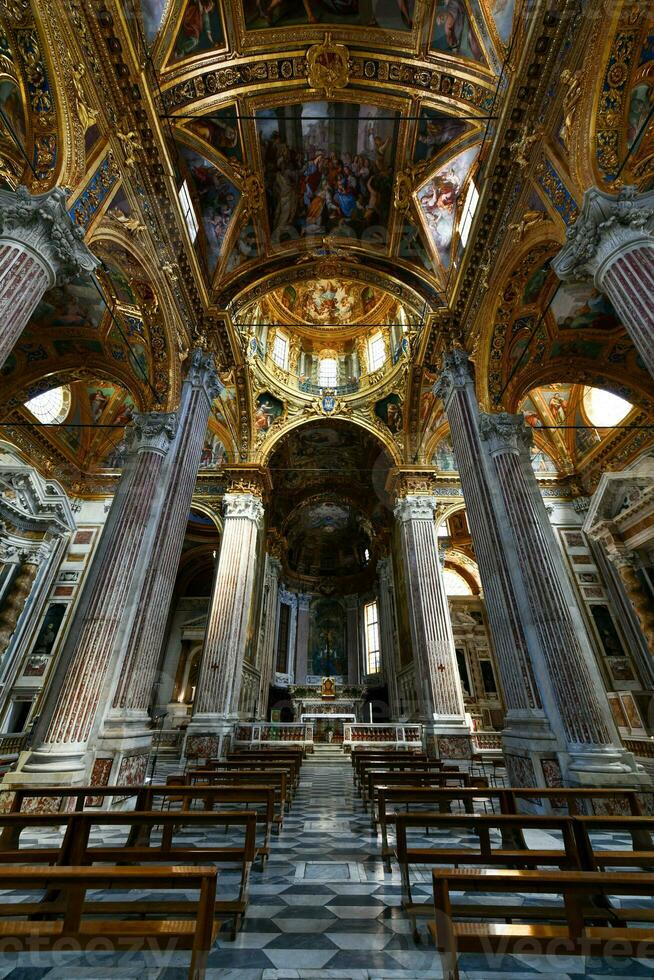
{"points": [[327, 652], [579, 305], [13, 116], [389, 410], [387, 14], [440, 200], [214, 453], [454, 32], [152, 12], [331, 301], [444, 458], [436, 130], [268, 409], [327, 168], [220, 131], [502, 13], [201, 28], [217, 198], [77, 304]]}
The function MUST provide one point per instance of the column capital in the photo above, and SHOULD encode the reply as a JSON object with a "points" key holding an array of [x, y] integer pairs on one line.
{"points": [[456, 373], [504, 433], [201, 373], [243, 505], [42, 225], [608, 225], [415, 508], [151, 432]]}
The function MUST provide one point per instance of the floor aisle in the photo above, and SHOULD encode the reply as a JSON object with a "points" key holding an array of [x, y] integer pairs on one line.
{"points": [[323, 908]]}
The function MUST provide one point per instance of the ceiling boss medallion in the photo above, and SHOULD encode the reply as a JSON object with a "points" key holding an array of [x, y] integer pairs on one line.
{"points": [[328, 66]]}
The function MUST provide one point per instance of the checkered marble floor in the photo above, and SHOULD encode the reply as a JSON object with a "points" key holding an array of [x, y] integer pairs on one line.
{"points": [[323, 908]]}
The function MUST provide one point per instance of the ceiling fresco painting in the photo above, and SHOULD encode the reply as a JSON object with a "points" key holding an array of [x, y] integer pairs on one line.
{"points": [[201, 28], [76, 304], [328, 168], [436, 131], [387, 14], [580, 305], [220, 131], [12, 107], [217, 199], [441, 203], [152, 15], [454, 32], [331, 302], [502, 13]]}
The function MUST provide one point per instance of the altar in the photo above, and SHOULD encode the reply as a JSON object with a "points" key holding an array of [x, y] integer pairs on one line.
{"points": [[328, 706]]}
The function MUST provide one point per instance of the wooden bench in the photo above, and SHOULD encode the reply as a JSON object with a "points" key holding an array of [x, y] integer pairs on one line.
{"points": [[392, 765], [416, 777], [570, 933], [378, 760], [68, 919], [262, 772], [594, 858], [247, 759], [510, 850], [276, 779]]}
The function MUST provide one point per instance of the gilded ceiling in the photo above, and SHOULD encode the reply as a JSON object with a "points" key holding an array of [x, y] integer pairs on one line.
{"points": [[324, 193]]}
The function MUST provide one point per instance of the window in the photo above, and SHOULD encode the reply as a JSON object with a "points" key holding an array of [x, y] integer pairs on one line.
{"points": [[188, 211], [469, 208], [376, 352], [603, 408], [50, 407], [372, 637], [455, 584], [327, 372], [280, 350], [282, 638]]}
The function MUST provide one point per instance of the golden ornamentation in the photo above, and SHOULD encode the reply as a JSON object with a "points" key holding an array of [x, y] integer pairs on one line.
{"points": [[572, 82], [328, 66], [528, 221], [403, 191], [520, 148], [85, 113], [129, 222], [131, 146]]}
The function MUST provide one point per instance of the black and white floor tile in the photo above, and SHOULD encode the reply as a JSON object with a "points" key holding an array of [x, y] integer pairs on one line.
{"points": [[323, 908]]}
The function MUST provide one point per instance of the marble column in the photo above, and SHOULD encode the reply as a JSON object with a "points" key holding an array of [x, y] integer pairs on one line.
{"points": [[151, 598], [267, 652], [217, 696], [353, 644], [91, 656], [302, 648], [39, 247], [612, 243], [562, 658], [388, 633], [625, 563], [436, 673]]}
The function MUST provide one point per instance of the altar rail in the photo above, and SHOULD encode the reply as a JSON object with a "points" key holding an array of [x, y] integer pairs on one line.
{"points": [[381, 734], [272, 733]]}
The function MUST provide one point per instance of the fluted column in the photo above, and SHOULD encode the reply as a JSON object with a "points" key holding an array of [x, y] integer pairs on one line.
{"points": [[388, 632], [302, 647], [98, 632], [437, 677], [217, 694], [268, 630], [562, 658], [353, 645], [625, 563], [151, 599], [612, 243], [39, 247]]}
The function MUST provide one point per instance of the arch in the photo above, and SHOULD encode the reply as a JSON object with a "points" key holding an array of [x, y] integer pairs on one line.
{"points": [[216, 519], [295, 423]]}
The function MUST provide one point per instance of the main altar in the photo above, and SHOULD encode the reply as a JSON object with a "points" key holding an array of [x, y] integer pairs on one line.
{"points": [[328, 706]]}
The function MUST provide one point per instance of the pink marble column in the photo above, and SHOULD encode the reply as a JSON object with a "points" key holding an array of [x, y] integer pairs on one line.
{"points": [[39, 247], [612, 242], [437, 677], [217, 694], [562, 659], [97, 634], [151, 599]]}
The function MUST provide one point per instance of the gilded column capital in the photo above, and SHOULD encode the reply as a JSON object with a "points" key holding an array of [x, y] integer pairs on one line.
{"points": [[151, 432], [608, 225], [456, 373], [201, 373], [415, 508], [42, 225], [504, 433], [243, 505]]}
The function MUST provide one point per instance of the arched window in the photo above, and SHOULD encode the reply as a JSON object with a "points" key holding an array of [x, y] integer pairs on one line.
{"points": [[280, 350], [455, 584], [51, 406], [327, 372], [603, 408], [376, 352]]}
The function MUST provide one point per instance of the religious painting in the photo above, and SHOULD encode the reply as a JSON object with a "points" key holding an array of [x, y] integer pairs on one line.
{"points": [[333, 302], [77, 304], [268, 408], [530, 413], [119, 283], [444, 458], [99, 397], [115, 458], [535, 283], [389, 410], [152, 15], [12, 117], [214, 453], [244, 249], [542, 463], [413, 248], [200, 30], [578, 306], [557, 399], [435, 131], [641, 101], [71, 432], [47, 635], [453, 30], [586, 436], [502, 13], [608, 634], [387, 14], [77, 348], [440, 201], [217, 198], [220, 131], [328, 517], [327, 645], [328, 169]]}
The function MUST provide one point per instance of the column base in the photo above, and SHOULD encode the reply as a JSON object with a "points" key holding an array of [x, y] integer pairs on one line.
{"points": [[50, 765], [603, 765], [446, 738], [209, 736]]}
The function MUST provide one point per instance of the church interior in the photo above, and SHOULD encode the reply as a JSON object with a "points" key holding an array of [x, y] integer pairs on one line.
{"points": [[326, 489]]}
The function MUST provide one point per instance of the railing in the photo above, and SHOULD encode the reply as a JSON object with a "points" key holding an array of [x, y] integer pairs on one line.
{"points": [[13, 742], [309, 388], [361, 734], [264, 732], [487, 741]]}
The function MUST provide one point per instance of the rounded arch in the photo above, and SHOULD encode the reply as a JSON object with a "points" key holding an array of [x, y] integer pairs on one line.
{"points": [[275, 438], [207, 511], [584, 372], [65, 372]]}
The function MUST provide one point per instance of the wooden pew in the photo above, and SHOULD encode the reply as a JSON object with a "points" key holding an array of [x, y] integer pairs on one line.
{"points": [[594, 858], [260, 768], [485, 853], [391, 765], [73, 925], [372, 758], [270, 760], [276, 778], [570, 933], [415, 777]]}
